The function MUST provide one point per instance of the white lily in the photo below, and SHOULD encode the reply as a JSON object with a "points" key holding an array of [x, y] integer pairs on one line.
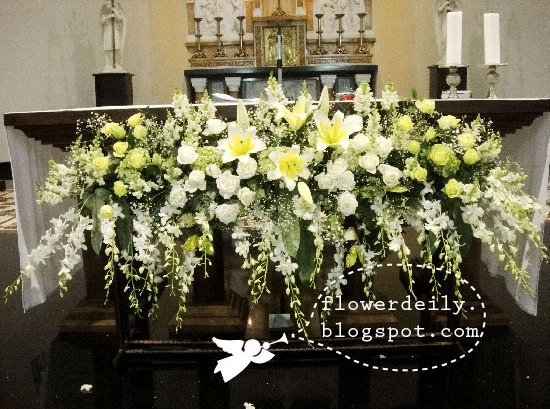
{"points": [[336, 132], [299, 114], [289, 166], [240, 142]]}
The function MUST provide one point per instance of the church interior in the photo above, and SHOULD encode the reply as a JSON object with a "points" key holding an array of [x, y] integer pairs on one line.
{"points": [[59, 60]]}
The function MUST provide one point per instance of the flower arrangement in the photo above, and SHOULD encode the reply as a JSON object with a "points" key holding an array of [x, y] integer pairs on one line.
{"points": [[151, 193]]}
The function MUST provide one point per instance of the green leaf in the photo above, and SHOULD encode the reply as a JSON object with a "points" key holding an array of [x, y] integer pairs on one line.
{"points": [[305, 257], [124, 227], [291, 235]]}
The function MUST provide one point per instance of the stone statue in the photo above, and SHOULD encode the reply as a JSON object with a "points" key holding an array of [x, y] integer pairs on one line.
{"points": [[228, 9], [442, 7], [114, 33]]}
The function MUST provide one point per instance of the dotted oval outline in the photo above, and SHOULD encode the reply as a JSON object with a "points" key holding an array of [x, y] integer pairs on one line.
{"points": [[385, 368]]}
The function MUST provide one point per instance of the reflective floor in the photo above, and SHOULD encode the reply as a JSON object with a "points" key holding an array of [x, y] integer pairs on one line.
{"points": [[40, 368]]}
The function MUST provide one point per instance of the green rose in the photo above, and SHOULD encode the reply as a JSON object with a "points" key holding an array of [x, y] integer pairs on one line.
{"points": [[471, 156], [120, 188], [106, 212], [156, 159], [440, 154], [419, 173], [135, 120], [452, 188], [430, 134], [413, 147], [426, 106], [100, 163], [140, 132], [107, 129], [137, 158], [466, 140], [119, 149]]}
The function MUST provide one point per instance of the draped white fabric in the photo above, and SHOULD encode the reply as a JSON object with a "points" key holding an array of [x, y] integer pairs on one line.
{"points": [[529, 147], [29, 161]]}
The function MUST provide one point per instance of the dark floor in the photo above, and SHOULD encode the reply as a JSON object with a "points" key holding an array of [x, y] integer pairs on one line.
{"points": [[39, 368]]}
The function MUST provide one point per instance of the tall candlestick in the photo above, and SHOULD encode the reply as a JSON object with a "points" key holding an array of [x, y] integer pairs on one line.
{"points": [[454, 38], [492, 38]]}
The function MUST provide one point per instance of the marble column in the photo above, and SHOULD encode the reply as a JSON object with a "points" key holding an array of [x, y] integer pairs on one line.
{"points": [[199, 85], [328, 81], [234, 86]]}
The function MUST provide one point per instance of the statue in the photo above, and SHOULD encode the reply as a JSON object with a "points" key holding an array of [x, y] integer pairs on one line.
{"points": [[442, 7], [114, 33]]}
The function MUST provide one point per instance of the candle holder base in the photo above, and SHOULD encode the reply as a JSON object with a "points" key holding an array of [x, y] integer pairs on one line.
{"points": [[452, 79], [493, 78]]}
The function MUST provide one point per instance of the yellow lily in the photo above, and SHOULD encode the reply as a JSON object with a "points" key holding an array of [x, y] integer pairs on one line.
{"points": [[299, 114]]}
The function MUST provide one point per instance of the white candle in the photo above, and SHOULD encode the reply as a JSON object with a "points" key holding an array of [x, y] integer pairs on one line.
{"points": [[454, 38], [492, 38]]}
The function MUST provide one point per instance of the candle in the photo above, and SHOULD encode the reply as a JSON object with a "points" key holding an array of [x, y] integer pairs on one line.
{"points": [[492, 38], [454, 38]]}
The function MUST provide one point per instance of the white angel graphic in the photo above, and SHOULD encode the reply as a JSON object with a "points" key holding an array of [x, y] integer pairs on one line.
{"points": [[242, 353]]}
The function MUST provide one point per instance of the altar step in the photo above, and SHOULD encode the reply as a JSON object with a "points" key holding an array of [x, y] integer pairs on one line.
{"points": [[90, 316]]}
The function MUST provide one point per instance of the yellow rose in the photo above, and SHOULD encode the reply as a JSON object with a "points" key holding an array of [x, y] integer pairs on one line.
{"points": [[452, 188], [413, 147], [140, 132], [107, 129], [471, 156], [405, 122], [119, 149], [448, 122], [120, 188], [118, 131], [106, 212], [430, 134], [135, 120], [419, 173], [466, 140], [100, 163], [440, 154], [426, 106], [137, 158]]}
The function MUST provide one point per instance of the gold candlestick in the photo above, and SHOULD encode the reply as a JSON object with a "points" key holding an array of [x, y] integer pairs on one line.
{"points": [[219, 50], [198, 52], [361, 49], [340, 49], [242, 52], [320, 50]]}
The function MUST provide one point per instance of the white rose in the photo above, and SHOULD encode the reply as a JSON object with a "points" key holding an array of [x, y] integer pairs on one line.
{"points": [[325, 181], [246, 196], [187, 155], [337, 167], [196, 181], [215, 126], [177, 196], [369, 162], [227, 213], [383, 146], [360, 142], [347, 203], [390, 175], [228, 184], [213, 171], [346, 181], [247, 167]]}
